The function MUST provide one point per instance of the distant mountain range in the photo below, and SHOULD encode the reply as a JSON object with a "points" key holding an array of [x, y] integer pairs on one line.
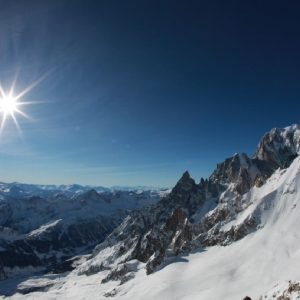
{"points": [[16, 189], [43, 226], [225, 237]]}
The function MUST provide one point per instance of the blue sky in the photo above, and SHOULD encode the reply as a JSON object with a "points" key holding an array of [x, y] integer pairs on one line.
{"points": [[137, 92]]}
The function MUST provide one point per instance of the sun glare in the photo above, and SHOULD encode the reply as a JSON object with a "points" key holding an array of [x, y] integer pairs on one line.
{"points": [[8, 105], [11, 103]]}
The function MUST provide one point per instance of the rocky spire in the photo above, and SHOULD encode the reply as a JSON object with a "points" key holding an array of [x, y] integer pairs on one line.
{"points": [[185, 183]]}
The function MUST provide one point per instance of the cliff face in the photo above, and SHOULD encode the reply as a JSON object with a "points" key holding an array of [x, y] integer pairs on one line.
{"points": [[279, 147]]}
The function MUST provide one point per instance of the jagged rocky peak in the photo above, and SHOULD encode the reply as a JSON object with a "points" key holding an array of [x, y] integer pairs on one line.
{"points": [[185, 183], [188, 195], [279, 146]]}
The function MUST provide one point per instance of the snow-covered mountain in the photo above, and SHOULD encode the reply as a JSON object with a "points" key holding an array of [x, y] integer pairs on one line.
{"points": [[43, 232], [228, 236]]}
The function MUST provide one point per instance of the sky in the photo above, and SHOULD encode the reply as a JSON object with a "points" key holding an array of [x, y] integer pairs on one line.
{"points": [[137, 92]]}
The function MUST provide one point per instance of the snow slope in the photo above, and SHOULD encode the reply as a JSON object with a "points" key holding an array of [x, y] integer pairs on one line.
{"points": [[251, 266]]}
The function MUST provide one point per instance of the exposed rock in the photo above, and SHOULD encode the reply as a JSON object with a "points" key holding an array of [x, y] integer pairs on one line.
{"points": [[116, 274], [175, 237], [288, 291], [111, 293], [280, 146], [243, 172]]}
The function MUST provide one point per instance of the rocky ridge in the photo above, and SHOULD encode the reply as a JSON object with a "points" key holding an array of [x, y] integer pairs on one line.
{"points": [[195, 215]]}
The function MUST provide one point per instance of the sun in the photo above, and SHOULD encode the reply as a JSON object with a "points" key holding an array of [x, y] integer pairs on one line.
{"points": [[11, 104], [8, 105]]}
